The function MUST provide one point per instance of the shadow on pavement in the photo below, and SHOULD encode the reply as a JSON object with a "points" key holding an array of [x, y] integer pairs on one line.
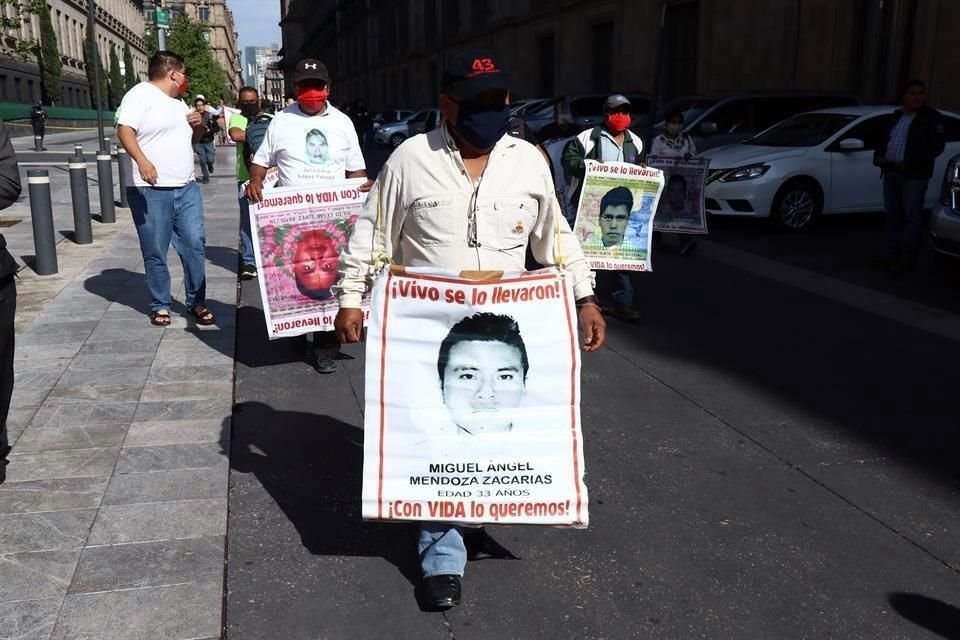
{"points": [[311, 466], [931, 614], [857, 376]]}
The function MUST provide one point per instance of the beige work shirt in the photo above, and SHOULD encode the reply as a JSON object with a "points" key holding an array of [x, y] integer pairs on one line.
{"points": [[433, 215]]}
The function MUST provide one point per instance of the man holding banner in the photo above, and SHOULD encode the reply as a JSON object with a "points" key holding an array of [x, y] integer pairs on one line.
{"points": [[312, 143], [467, 197]]}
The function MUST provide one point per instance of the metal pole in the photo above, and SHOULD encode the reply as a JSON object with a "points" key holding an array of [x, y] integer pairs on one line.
{"points": [[162, 38], [41, 215], [37, 143], [108, 214], [657, 79], [82, 232], [123, 162], [92, 10], [78, 151]]}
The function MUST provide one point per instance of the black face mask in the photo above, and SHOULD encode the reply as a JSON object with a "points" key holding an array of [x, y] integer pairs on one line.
{"points": [[248, 109], [482, 125]]}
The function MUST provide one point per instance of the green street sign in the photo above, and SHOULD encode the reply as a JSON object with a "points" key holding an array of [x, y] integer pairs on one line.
{"points": [[163, 17]]}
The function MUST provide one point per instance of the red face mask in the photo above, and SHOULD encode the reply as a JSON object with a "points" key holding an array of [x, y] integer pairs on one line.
{"points": [[618, 122], [313, 99], [181, 87]]}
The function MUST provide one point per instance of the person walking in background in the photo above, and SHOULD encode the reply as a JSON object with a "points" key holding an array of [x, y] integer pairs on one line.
{"points": [[38, 120], [610, 142], [906, 156], [205, 149], [248, 101], [674, 143], [311, 142], [9, 192], [156, 129]]}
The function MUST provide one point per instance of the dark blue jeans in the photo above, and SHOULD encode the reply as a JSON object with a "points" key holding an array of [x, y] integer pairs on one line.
{"points": [[903, 203], [207, 153], [161, 214], [8, 310], [246, 242]]}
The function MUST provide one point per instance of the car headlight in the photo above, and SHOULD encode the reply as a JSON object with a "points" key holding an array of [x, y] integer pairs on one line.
{"points": [[745, 173], [950, 192]]}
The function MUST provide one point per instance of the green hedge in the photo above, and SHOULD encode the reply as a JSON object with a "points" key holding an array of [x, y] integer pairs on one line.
{"points": [[18, 111]]}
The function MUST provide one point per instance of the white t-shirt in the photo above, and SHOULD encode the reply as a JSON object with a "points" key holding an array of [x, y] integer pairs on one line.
{"points": [[163, 133], [310, 149]]}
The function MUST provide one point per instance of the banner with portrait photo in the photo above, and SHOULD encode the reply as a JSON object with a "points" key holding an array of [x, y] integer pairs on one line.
{"points": [[228, 112], [681, 207], [473, 400], [298, 234], [615, 215]]}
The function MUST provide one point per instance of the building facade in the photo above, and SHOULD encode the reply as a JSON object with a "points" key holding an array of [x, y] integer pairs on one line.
{"points": [[391, 52], [222, 33], [118, 22], [255, 61]]}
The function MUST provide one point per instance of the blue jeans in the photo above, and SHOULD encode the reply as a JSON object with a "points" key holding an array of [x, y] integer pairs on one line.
{"points": [[441, 548], [207, 154], [162, 213], [617, 285], [903, 203], [246, 242]]}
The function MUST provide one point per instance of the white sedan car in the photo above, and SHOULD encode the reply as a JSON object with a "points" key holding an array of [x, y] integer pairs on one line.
{"points": [[812, 163]]}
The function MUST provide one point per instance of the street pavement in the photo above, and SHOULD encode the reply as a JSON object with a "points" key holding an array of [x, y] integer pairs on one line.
{"points": [[770, 451]]}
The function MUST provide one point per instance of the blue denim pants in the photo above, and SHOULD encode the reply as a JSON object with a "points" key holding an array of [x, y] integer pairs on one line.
{"points": [[207, 153], [903, 203], [246, 242], [617, 285], [442, 551], [162, 214]]}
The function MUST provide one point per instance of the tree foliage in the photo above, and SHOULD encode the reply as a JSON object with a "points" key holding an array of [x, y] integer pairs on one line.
{"points": [[117, 88], [23, 9], [91, 57], [51, 66], [130, 74], [189, 39]]}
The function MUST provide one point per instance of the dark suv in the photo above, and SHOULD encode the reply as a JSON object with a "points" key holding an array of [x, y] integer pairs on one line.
{"points": [[720, 119]]}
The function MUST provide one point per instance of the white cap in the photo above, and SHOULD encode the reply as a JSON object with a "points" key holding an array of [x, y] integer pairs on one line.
{"points": [[200, 96]]}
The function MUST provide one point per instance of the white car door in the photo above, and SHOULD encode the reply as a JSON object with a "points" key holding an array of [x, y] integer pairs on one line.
{"points": [[855, 184]]}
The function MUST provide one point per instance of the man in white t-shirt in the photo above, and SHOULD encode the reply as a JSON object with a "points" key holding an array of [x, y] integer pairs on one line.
{"points": [[157, 129], [311, 142]]}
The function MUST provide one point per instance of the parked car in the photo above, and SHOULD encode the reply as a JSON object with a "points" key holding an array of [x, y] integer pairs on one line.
{"points": [[423, 121], [722, 119], [394, 133], [945, 215], [519, 107], [392, 115], [811, 163], [576, 113]]}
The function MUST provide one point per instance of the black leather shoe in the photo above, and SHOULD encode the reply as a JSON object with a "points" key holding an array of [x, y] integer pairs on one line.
{"points": [[441, 592]]}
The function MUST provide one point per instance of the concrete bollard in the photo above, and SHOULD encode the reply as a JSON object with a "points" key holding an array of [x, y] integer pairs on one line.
{"points": [[123, 162], [108, 214], [37, 143], [41, 214], [82, 231]]}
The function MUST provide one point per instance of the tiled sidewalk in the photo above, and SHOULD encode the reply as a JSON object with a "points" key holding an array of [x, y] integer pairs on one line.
{"points": [[113, 517]]}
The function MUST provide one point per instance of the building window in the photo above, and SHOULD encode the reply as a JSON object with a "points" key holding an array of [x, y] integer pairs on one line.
{"points": [[203, 14], [602, 56], [545, 63]]}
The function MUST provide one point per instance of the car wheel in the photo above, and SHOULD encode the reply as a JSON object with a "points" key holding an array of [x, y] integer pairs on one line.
{"points": [[397, 139], [797, 205]]}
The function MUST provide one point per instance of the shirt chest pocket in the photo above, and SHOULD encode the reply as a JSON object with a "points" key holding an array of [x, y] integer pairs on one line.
{"points": [[436, 223], [514, 219]]}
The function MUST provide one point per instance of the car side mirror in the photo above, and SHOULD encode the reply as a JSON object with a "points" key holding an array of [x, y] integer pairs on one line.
{"points": [[851, 144], [708, 128]]}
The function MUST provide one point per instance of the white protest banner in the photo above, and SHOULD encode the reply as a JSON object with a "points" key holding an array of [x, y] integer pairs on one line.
{"points": [[298, 234], [228, 112], [473, 400], [615, 215], [681, 208]]}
